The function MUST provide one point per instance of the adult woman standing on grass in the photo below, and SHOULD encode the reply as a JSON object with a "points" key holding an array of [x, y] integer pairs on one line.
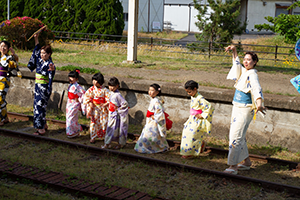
{"points": [[7, 62], [41, 62], [247, 101]]}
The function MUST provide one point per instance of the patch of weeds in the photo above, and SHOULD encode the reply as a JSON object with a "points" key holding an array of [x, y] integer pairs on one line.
{"points": [[82, 70]]}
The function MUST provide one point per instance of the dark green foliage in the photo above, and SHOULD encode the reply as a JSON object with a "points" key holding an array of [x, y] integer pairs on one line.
{"points": [[285, 25], [83, 16], [221, 24], [82, 70]]}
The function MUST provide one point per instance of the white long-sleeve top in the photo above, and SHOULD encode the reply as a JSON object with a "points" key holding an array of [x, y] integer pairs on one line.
{"points": [[246, 80]]}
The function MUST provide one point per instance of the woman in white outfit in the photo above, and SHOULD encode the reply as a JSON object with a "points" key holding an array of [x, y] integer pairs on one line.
{"points": [[247, 101]]}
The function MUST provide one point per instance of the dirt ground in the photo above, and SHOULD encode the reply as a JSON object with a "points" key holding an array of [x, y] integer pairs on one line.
{"points": [[276, 83]]}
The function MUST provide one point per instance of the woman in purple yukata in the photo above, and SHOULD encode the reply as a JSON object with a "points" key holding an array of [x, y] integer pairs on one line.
{"points": [[41, 62], [118, 117], [75, 99]]}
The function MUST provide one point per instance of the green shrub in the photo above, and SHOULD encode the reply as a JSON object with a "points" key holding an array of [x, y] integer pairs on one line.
{"points": [[19, 29]]}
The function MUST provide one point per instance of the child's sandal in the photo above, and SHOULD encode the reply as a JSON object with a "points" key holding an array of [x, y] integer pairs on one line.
{"points": [[118, 147], [106, 146]]}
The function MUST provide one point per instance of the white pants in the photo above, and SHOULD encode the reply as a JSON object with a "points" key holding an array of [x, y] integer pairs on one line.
{"points": [[240, 120]]}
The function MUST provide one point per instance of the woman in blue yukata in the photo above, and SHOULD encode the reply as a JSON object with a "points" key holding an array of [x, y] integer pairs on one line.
{"points": [[247, 101], [41, 62]]}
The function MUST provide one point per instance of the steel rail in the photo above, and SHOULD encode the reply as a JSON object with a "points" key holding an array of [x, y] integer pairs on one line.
{"points": [[236, 178], [174, 144]]}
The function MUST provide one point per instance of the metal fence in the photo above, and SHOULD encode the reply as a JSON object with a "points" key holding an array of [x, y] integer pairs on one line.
{"points": [[186, 47]]}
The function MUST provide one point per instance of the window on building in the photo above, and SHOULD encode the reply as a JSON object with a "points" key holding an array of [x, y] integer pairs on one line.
{"points": [[281, 8], [125, 17]]}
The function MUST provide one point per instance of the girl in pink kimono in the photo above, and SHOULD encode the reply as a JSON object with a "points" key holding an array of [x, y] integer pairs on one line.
{"points": [[96, 99], [75, 98]]}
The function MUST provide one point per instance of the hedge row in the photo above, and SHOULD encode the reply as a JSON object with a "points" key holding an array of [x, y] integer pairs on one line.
{"points": [[85, 16]]}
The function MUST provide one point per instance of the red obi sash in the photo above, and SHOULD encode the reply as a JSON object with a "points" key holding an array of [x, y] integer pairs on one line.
{"points": [[99, 100], [112, 107], [195, 112], [72, 95], [169, 123]]}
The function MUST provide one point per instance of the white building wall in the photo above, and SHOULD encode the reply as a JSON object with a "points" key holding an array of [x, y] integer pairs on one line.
{"points": [[145, 20], [257, 11], [179, 18]]}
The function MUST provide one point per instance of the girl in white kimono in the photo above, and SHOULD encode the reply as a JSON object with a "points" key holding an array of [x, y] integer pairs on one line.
{"points": [[153, 137], [247, 101], [198, 124], [75, 99]]}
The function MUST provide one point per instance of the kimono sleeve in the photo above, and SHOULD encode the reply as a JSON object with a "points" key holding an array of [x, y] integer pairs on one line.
{"points": [[80, 92], [51, 77], [123, 108], [88, 96], [207, 109], [236, 70], [33, 61], [256, 90], [159, 117]]}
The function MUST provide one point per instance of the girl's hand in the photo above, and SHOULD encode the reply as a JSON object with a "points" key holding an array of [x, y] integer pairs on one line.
{"points": [[104, 105], [231, 47], [199, 116], [76, 99], [152, 117], [262, 109], [51, 67]]}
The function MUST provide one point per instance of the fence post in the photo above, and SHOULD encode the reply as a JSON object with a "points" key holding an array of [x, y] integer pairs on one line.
{"points": [[151, 43], [276, 50], [209, 48]]}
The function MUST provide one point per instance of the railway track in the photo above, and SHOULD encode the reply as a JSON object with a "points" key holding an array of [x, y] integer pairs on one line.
{"points": [[173, 144]]}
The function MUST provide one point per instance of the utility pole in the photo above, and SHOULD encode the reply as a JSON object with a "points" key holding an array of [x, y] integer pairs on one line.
{"points": [[8, 10], [133, 12]]}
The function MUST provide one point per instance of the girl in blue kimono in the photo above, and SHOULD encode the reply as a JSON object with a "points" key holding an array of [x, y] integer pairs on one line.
{"points": [[41, 62]]}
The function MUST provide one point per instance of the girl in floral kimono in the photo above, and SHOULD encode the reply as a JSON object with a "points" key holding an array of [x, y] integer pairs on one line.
{"points": [[8, 62], [41, 62], [247, 101], [96, 100], [199, 122], [153, 137], [75, 98], [118, 117]]}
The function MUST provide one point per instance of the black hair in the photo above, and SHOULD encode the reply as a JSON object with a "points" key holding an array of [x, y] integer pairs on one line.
{"points": [[99, 78], [191, 85], [6, 43], [74, 73], [113, 81], [157, 88], [48, 49], [253, 56]]}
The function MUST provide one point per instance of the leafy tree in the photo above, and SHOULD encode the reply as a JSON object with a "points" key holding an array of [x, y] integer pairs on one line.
{"points": [[285, 25], [221, 24]]}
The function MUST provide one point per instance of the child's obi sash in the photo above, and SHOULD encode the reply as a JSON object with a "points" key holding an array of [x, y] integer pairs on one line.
{"points": [[3, 71], [112, 107], [195, 112], [72, 95], [39, 78], [99, 100], [169, 123]]}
